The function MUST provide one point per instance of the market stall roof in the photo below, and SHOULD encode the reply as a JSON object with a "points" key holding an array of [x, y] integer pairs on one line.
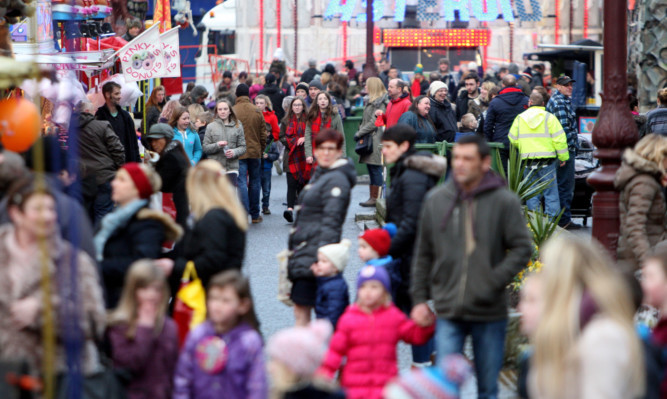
{"points": [[82, 60], [580, 50]]}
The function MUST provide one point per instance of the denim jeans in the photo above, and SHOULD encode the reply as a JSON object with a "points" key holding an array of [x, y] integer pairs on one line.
{"points": [[375, 173], [249, 182], [102, 204], [550, 195], [488, 344], [565, 176], [266, 186]]}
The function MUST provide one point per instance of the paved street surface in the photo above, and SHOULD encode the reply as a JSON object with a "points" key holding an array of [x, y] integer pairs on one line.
{"points": [[266, 239]]}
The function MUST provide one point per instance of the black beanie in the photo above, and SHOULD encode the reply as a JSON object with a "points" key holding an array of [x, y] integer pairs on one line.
{"points": [[242, 90]]}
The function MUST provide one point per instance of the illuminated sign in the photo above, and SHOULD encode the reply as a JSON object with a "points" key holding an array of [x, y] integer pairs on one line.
{"points": [[434, 10], [436, 37]]}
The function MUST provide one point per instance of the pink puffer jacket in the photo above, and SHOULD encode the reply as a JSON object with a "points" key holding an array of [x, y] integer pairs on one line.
{"points": [[369, 343]]}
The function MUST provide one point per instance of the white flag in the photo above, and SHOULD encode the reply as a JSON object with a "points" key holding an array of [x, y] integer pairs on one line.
{"points": [[170, 50], [142, 58]]}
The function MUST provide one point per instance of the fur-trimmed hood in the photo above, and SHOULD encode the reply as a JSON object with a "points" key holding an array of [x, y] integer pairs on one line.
{"points": [[430, 164], [172, 230], [634, 165]]}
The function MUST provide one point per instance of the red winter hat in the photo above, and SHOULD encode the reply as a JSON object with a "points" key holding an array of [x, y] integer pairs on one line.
{"points": [[380, 239]]}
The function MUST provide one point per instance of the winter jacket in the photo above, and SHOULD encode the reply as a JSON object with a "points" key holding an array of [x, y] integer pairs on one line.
{"points": [[314, 390], [149, 357], [502, 111], [21, 278], [320, 215], [100, 151], [655, 357], [477, 106], [419, 87], [332, 298], [538, 135], [367, 127], [561, 107], [396, 108], [412, 176], [140, 238], [336, 124], [152, 117], [449, 80], [276, 96], [467, 277], [641, 207], [214, 244], [444, 119], [230, 132], [462, 101], [254, 127], [368, 341], [309, 74], [173, 169], [272, 156], [243, 375], [423, 126], [191, 144], [123, 126], [656, 120], [271, 120]]}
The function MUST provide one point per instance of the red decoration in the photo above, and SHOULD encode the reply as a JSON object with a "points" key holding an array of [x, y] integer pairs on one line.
{"points": [[278, 21], [436, 37], [557, 22], [19, 124], [586, 19]]}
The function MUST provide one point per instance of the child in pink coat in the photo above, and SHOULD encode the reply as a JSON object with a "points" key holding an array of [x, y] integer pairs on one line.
{"points": [[367, 335]]}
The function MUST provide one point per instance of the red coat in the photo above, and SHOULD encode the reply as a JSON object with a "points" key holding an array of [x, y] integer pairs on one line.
{"points": [[369, 343], [395, 109], [271, 118]]}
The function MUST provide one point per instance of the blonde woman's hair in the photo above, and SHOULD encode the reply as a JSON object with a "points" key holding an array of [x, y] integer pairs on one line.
{"points": [[195, 110], [169, 108], [375, 88], [208, 188], [266, 99], [488, 86], [141, 274], [325, 78], [653, 147], [571, 267]]}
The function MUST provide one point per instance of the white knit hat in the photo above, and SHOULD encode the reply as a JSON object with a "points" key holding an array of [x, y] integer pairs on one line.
{"points": [[338, 254], [301, 349], [435, 86]]}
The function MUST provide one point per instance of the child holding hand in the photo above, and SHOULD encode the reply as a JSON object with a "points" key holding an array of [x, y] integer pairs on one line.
{"points": [[367, 335], [222, 357], [332, 292]]}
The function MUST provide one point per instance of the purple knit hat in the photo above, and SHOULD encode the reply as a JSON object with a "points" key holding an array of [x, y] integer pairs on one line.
{"points": [[377, 273]]}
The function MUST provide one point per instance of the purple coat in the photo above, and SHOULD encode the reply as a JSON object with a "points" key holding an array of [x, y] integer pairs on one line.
{"points": [[244, 373], [151, 359]]}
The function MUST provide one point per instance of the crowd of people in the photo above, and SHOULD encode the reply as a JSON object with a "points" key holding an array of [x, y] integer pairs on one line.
{"points": [[119, 230]]}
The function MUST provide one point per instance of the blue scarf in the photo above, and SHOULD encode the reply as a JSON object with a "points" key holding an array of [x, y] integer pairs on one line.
{"points": [[112, 222]]}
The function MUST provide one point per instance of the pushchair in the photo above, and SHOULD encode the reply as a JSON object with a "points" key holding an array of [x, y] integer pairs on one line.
{"points": [[584, 165]]}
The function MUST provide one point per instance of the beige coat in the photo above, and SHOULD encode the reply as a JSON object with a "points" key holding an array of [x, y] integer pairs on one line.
{"points": [[641, 207], [20, 278], [368, 128], [233, 134]]}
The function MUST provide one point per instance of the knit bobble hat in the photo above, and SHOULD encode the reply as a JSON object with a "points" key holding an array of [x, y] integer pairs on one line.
{"points": [[338, 254], [242, 90], [376, 273], [442, 382], [302, 86], [435, 86], [380, 239], [301, 349], [419, 68]]}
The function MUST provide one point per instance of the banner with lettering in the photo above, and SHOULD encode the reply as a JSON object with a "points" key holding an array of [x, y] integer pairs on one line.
{"points": [[172, 57], [142, 58]]}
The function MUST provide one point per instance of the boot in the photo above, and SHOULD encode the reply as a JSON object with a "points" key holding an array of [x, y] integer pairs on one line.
{"points": [[375, 192]]}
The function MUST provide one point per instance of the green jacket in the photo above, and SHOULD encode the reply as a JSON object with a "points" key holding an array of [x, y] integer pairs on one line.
{"points": [[466, 277], [537, 134]]}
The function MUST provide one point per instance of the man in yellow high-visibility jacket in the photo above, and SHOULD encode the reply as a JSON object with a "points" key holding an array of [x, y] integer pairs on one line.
{"points": [[541, 141]]}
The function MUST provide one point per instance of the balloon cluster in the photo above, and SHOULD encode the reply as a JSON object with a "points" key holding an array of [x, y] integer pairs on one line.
{"points": [[19, 124]]}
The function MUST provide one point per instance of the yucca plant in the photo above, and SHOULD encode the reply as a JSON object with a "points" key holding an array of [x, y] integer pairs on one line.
{"points": [[525, 187], [541, 225]]}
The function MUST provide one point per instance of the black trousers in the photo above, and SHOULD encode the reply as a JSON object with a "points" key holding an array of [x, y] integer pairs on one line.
{"points": [[293, 189]]}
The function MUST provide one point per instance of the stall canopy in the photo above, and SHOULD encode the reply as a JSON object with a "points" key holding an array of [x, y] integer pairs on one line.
{"points": [[581, 50]]}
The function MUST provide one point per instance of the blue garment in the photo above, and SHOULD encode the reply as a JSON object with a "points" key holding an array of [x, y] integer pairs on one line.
{"points": [[332, 298], [273, 155], [565, 177], [192, 144], [424, 128], [249, 181], [375, 173], [550, 194], [459, 135], [502, 111], [113, 221], [488, 343], [102, 205], [266, 185], [561, 106]]}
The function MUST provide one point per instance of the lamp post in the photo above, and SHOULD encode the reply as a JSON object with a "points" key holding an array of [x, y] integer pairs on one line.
{"points": [[615, 128], [369, 70]]}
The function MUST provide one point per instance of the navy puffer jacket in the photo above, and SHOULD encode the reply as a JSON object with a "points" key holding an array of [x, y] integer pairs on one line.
{"points": [[501, 113]]}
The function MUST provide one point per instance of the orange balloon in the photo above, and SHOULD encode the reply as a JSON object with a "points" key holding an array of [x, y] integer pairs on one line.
{"points": [[19, 124]]}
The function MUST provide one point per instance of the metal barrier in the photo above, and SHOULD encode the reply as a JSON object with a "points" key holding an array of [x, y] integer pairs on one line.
{"points": [[221, 63]]}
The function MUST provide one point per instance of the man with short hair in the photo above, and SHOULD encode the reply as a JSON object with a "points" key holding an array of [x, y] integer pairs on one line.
{"points": [[250, 163], [541, 141], [500, 115], [471, 83], [310, 73], [538, 76], [560, 105], [502, 72], [656, 119], [314, 89], [399, 103], [120, 120], [447, 78], [471, 242], [393, 73], [383, 67]]}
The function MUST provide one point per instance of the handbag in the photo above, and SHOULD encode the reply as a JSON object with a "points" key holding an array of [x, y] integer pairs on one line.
{"points": [[190, 305], [284, 283], [364, 145]]}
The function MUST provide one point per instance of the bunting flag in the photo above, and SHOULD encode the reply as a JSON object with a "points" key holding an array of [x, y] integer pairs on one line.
{"points": [[170, 52], [142, 58], [162, 15]]}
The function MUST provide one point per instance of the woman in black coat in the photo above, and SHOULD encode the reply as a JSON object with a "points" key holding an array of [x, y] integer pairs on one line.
{"points": [[132, 231], [322, 208], [172, 165], [216, 242], [441, 113]]}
